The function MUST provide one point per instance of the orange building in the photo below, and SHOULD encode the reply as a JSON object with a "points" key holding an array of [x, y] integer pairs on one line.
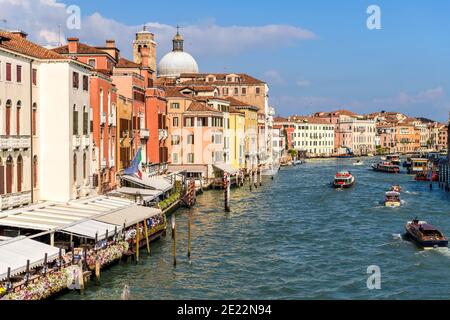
{"points": [[407, 137]]}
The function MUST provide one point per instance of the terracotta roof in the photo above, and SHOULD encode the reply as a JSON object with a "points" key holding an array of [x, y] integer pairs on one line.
{"points": [[16, 43], [199, 88], [280, 119], [305, 119], [125, 63], [240, 105], [82, 49], [172, 92], [221, 78], [201, 107], [234, 110]]}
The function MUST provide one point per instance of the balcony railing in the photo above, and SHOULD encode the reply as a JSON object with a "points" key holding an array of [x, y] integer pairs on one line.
{"points": [[76, 142], [144, 133], [112, 120], [8, 201], [102, 118], [14, 142], [86, 141]]}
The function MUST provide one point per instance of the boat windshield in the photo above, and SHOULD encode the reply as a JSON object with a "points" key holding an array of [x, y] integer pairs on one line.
{"points": [[431, 233]]}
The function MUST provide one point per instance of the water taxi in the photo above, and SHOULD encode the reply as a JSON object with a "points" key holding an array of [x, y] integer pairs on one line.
{"points": [[392, 199], [396, 188], [343, 180], [387, 167], [425, 235]]}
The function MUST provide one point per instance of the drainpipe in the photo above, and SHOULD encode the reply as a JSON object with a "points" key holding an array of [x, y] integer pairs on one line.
{"points": [[31, 132]]}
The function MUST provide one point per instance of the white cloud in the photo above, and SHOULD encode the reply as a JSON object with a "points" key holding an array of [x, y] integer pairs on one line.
{"points": [[41, 19], [303, 83], [274, 77]]}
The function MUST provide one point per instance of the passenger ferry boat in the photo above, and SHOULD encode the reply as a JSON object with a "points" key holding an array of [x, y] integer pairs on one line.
{"points": [[418, 165], [392, 199], [343, 180], [425, 235], [387, 167], [393, 158]]}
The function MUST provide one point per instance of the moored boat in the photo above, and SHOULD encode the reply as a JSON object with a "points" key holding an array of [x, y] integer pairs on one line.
{"points": [[392, 199], [387, 167], [424, 176], [425, 235], [343, 180]]}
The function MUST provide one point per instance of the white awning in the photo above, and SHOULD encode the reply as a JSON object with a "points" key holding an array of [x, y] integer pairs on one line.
{"points": [[129, 216], [15, 253], [149, 183], [226, 168], [188, 168], [140, 192], [91, 228]]}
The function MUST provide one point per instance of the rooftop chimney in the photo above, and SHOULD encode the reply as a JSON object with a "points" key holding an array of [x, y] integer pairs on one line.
{"points": [[20, 33], [110, 43], [73, 45]]}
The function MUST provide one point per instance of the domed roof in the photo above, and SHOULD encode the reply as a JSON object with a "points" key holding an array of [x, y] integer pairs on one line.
{"points": [[175, 63]]}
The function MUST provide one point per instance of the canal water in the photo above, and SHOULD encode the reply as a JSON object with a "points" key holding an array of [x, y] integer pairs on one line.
{"points": [[295, 238]]}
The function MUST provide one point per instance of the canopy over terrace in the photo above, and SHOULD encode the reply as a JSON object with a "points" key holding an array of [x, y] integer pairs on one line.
{"points": [[154, 183], [226, 168], [14, 254], [129, 216]]}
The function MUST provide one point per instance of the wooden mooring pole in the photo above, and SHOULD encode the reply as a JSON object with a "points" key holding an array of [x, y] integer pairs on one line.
{"points": [[137, 242], [174, 241], [146, 236], [189, 237], [226, 187]]}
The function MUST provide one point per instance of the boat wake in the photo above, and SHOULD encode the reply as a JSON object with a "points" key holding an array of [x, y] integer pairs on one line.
{"points": [[412, 192], [397, 236]]}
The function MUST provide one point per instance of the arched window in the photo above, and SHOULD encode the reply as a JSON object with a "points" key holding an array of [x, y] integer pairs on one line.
{"points": [[34, 119], [35, 171], [19, 173], [18, 108], [9, 174], [85, 121], [8, 118], [2, 177], [84, 167], [74, 169], [75, 120]]}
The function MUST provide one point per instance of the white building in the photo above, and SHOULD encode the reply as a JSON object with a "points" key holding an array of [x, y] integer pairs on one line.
{"points": [[44, 95]]}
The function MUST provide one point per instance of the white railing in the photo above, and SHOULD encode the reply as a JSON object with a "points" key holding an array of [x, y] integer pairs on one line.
{"points": [[86, 141], [76, 142], [14, 142], [112, 120], [144, 133], [163, 134], [102, 118], [15, 200]]}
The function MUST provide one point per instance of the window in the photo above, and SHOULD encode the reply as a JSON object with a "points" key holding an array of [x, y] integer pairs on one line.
{"points": [[34, 119], [175, 122], [19, 106], [92, 63], [190, 158], [225, 91], [19, 74], [175, 158], [236, 91], [190, 139], [8, 117], [35, 172], [85, 121], [85, 83], [244, 91], [189, 122], [175, 105], [74, 169], [19, 173], [175, 140], [9, 174], [8, 72], [258, 90], [75, 80], [75, 120], [84, 166], [34, 77]]}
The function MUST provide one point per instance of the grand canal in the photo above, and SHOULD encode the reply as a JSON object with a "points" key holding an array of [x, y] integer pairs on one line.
{"points": [[295, 238]]}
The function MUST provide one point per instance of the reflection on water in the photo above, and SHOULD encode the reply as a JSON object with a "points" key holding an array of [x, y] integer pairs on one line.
{"points": [[295, 238]]}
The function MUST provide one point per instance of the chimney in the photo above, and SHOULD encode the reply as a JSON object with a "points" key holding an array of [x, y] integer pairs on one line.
{"points": [[20, 33], [111, 44], [73, 45]]}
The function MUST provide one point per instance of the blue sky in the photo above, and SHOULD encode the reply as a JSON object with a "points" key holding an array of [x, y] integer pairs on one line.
{"points": [[315, 55]]}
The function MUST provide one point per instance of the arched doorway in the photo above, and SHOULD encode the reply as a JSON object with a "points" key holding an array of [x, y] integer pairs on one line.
{"points": [[9, 174], [19, 173], [18, 109]]}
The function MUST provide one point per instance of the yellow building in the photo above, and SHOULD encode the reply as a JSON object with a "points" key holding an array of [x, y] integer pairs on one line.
{"points": [[251, 131], [124, 114], [237, 138]]}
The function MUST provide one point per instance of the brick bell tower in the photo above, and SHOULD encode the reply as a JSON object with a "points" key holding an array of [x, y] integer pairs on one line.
{"points": [[143, 45]]}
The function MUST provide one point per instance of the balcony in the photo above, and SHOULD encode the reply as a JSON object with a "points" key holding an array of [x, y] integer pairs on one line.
{"points": [[76, 142], [86, 142], [14, 142], [15, 200], [102, 118], [163, 134], [103, 163], [112, 120], [144, 133]]}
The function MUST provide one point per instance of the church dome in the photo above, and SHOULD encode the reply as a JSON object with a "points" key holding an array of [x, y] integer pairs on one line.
{"points": [[177, 62]]}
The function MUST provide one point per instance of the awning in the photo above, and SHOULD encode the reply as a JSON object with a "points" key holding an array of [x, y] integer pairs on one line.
{"points": [[188, 169], [226, 168], [140, 192], [15, 253], [91, 228], [129, 216], [149, 183]]}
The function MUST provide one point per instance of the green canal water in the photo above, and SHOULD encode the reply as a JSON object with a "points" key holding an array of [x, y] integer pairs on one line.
{"points": [[295, 238]]}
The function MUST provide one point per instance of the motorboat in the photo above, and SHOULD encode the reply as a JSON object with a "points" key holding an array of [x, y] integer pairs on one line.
{"points": [[392, 199], [387, 167], [358, 163], [396, 188], [297, 162], [343, 180], [425, 176], [425, 235]]}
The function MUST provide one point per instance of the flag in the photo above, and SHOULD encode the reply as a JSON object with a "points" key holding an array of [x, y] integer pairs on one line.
{"points": [[135, 167]]}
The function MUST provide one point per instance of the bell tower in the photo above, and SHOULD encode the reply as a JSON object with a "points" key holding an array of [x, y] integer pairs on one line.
{"points": [[145, 45]]}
